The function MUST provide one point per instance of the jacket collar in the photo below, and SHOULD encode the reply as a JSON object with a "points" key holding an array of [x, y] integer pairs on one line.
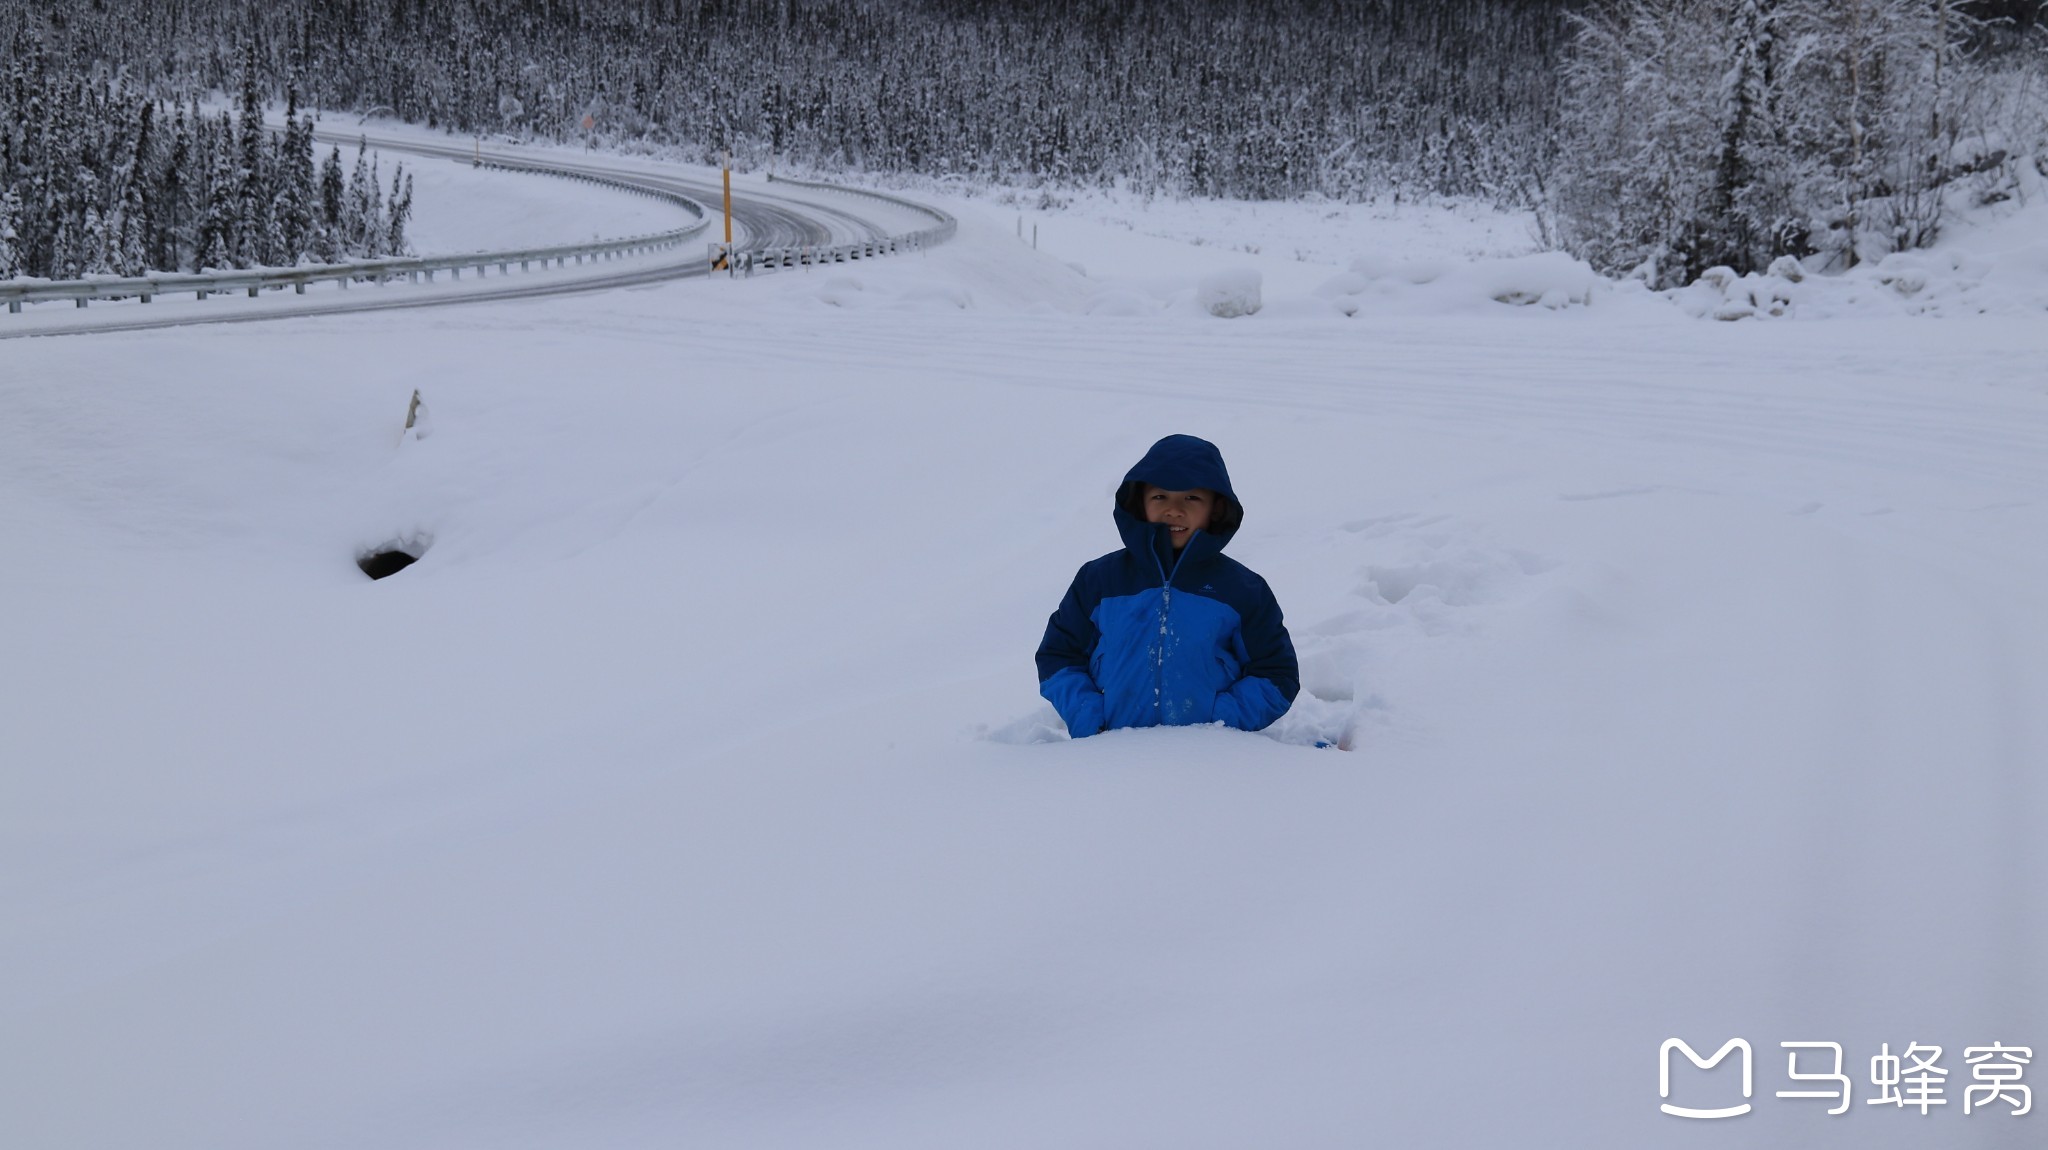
{"points": [[1150, 542]]}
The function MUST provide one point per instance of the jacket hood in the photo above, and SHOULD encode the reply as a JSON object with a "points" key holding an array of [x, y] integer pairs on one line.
{"points": [[1177, 463]]}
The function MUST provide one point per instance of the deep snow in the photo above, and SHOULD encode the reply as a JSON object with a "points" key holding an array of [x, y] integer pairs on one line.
{"points": [[693, 789]]}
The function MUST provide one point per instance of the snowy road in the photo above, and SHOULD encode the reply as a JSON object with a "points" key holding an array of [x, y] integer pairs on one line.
{"points": [[764, 215], [690, 790]]}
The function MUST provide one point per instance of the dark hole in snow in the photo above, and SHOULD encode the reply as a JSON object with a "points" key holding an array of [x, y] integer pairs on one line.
{"points": [[391, 558], [383, 563]]}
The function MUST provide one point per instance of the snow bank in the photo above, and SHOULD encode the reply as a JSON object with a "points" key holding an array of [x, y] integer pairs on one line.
{"points": [[1442, 260], [1937, 282], [1229, 293], [1314, 232], [1548, 280]]}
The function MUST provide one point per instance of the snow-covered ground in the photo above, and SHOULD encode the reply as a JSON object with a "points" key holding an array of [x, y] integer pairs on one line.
{"points": [[1293, 243], [693, 789]]}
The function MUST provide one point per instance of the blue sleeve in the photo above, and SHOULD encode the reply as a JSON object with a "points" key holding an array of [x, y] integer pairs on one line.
{"points": [[1063, 657], [1271, 677]]}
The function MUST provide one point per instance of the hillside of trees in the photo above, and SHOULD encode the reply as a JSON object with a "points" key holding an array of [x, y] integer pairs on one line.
{"points": [[1263, 99], [97, 181], [1703, 133], [1617, 120]]}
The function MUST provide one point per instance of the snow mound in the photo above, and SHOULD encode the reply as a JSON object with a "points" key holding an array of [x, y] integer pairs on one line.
{"points": [[1721, 294], [1230, 293], [1911, 283], [1550, 280]]}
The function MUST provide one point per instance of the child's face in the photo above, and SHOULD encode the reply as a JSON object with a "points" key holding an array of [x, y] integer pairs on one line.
{"points": [[1183, 512]]}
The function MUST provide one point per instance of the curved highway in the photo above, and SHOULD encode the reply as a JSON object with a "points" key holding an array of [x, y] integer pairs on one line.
{"points": [[760, 219]]}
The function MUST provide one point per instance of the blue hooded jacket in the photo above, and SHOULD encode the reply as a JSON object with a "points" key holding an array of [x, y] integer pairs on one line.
{"points": [[1146, 637]]}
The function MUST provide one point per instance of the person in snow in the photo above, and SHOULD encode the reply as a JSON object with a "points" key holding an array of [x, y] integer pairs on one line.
{"points": [[1169, 630]]}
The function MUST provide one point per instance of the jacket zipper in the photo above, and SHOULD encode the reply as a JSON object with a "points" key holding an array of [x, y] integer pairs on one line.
{"points": [[1159, 649], [1159, 661]]}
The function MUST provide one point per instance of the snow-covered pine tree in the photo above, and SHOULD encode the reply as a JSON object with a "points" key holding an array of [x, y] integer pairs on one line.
{"points": [[363, 212], [379, 220], [173, 238], [330, 243], [254, 233], [55, 265], [1747, 218], [298, 180], [10, 216], [95, 243], [215, 243], [396, 242], [130, 249]]}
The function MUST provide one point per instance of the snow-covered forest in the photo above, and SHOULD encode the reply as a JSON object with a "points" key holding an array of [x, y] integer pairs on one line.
{"points": [[1661, 136], [1697, 133], [97, 180], [1259, 100]]}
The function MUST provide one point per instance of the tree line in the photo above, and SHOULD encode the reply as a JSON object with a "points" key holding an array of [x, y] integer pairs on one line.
{"points": [[1251, 98], [96, 180]]}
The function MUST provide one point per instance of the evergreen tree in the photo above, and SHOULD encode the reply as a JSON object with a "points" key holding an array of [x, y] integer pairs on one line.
{"points": [[128, 252], [130, 255], [362, 215], [297, 183], [91, 256], [330, 243], [215, 243], [254, 237], [10, 217], [401, 212], [171, 241]]}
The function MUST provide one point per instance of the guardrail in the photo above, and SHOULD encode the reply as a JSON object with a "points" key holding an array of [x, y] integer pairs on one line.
{"points": [[411, 268], [745, 261]]}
